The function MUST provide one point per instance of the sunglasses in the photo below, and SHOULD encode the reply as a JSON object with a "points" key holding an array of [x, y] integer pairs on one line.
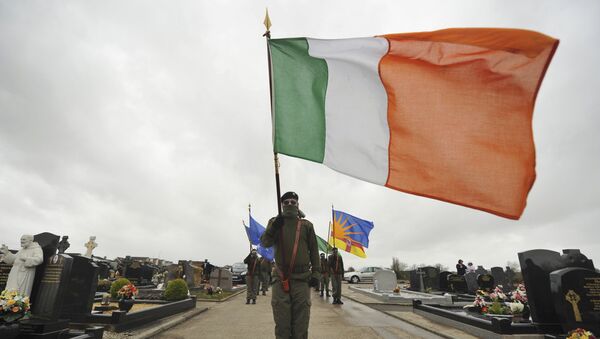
{"points": [[291, 202]]}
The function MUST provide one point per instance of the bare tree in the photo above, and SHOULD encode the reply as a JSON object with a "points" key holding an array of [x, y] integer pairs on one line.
{"points": [[398, 267], [350, 269]]}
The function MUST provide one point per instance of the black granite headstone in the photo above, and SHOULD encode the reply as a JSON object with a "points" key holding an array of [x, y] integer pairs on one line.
{"points": [[133, 272], [471, 281], [576, 295], [457, 283], [53, 284], [4, 271], [414, 281], [431, 278], [500, 277], [486, 282], [536, 266], [444, 281], [481, 270], [146, 274], [49, 243], [79, 295]]}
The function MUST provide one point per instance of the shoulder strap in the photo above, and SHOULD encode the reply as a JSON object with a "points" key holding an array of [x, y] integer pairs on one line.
{"points": [[293, 260]]}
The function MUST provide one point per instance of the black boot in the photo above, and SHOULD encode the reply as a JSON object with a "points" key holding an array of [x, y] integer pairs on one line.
{"points": [[340, 301], [321, 294], [247, 301], [253, 301], [328, 295], [264, 293]]}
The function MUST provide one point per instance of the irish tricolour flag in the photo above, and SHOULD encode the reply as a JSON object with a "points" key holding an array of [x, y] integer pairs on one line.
{"points": [[444, 114]]}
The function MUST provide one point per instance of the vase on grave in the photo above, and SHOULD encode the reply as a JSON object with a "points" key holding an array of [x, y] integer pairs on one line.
{"points": [[126, 304], [9, 330]]}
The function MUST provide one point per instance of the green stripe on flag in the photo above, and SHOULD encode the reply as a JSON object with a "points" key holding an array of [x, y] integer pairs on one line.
{"points": [[323, 245], [299, 86]]}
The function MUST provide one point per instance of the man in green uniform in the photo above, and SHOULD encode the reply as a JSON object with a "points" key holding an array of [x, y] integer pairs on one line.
{"points": [[265, 274], [336, 269], [252, 276], [296, 268], [324, 275]]}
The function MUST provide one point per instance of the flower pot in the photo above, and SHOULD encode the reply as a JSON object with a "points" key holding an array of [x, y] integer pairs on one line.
{"points": [[126, 304], [9, 330]]}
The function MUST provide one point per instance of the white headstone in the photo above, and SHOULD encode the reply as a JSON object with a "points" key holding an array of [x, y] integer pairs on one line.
{"points": [[386, 280]]}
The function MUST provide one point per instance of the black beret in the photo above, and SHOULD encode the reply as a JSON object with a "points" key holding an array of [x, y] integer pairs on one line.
{"points": [[289, 195]]}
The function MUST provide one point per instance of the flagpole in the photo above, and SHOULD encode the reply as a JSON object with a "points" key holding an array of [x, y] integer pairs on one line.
{"points": [[244, 226], [249, 220], [333, 224], [328, 234], [267, 35]]}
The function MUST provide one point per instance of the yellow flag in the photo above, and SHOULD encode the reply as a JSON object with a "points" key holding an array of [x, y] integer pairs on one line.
{"points": [[267, 21]]}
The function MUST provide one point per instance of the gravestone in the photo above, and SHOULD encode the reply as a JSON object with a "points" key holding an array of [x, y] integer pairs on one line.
{"points": [[146, 272], [79, 295], [173, 272], [536, 266], [471, 281], [386, 280], [510, 276], [481, 270], [188, 272], [49, 244], [51, 289], [444, 281], [133, 271], [103, 270], [198, 268], [576, 295], [457, 283], [500, 278], [486, 282], [431, 278], [415, 281], [4, 271], [221, 278]]}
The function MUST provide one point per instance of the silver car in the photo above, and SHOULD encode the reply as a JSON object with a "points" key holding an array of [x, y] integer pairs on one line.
{"points": [[363, 275]]}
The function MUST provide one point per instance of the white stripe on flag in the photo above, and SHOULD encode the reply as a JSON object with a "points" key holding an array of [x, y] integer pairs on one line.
{"points": [[357, 133]]}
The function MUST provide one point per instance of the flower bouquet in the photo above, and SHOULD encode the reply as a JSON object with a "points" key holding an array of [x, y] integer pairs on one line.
{"points": [[128, 291], [580, 333], [127, 295], [13, 306], [218, 290]]}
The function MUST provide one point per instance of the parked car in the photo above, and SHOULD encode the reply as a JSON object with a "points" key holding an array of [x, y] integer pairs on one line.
{"points": [[238, 273], [362, 275]]}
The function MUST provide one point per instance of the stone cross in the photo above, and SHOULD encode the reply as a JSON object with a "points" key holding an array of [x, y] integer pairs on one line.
{"points": [[90, 245]]}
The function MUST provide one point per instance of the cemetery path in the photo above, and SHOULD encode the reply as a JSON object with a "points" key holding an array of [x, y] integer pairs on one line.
{"points": [[235, 319]]}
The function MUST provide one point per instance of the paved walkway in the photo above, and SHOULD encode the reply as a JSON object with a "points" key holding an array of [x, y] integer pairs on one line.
{"points": [[235, 319]]}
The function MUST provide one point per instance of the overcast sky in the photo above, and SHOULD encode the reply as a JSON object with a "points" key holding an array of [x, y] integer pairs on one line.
{"points": [[147, 124]]}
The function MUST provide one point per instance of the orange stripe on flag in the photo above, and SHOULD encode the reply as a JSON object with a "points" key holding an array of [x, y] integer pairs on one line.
{"points": [[460, 105]]}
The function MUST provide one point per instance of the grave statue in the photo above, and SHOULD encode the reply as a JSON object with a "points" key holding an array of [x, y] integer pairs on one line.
{"points": [[90, 245], [63, 245], [23, 264]]}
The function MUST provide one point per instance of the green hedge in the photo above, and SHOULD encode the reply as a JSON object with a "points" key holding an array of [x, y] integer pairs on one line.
{"points": [[116, 286], [176, 290]]}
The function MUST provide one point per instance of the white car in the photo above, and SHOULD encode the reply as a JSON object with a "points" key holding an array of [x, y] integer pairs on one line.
{"points": [[362, 275]]}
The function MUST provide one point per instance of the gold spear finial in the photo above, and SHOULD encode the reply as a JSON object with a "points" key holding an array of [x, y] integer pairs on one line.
{"points": [[267, 21]]}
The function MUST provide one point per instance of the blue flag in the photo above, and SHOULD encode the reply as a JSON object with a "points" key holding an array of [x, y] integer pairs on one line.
{"points": [[266, 252], [254, 231]]}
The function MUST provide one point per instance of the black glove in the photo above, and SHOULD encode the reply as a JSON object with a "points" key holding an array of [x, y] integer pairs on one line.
{"points": [[314, 282], [278, 222]]}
